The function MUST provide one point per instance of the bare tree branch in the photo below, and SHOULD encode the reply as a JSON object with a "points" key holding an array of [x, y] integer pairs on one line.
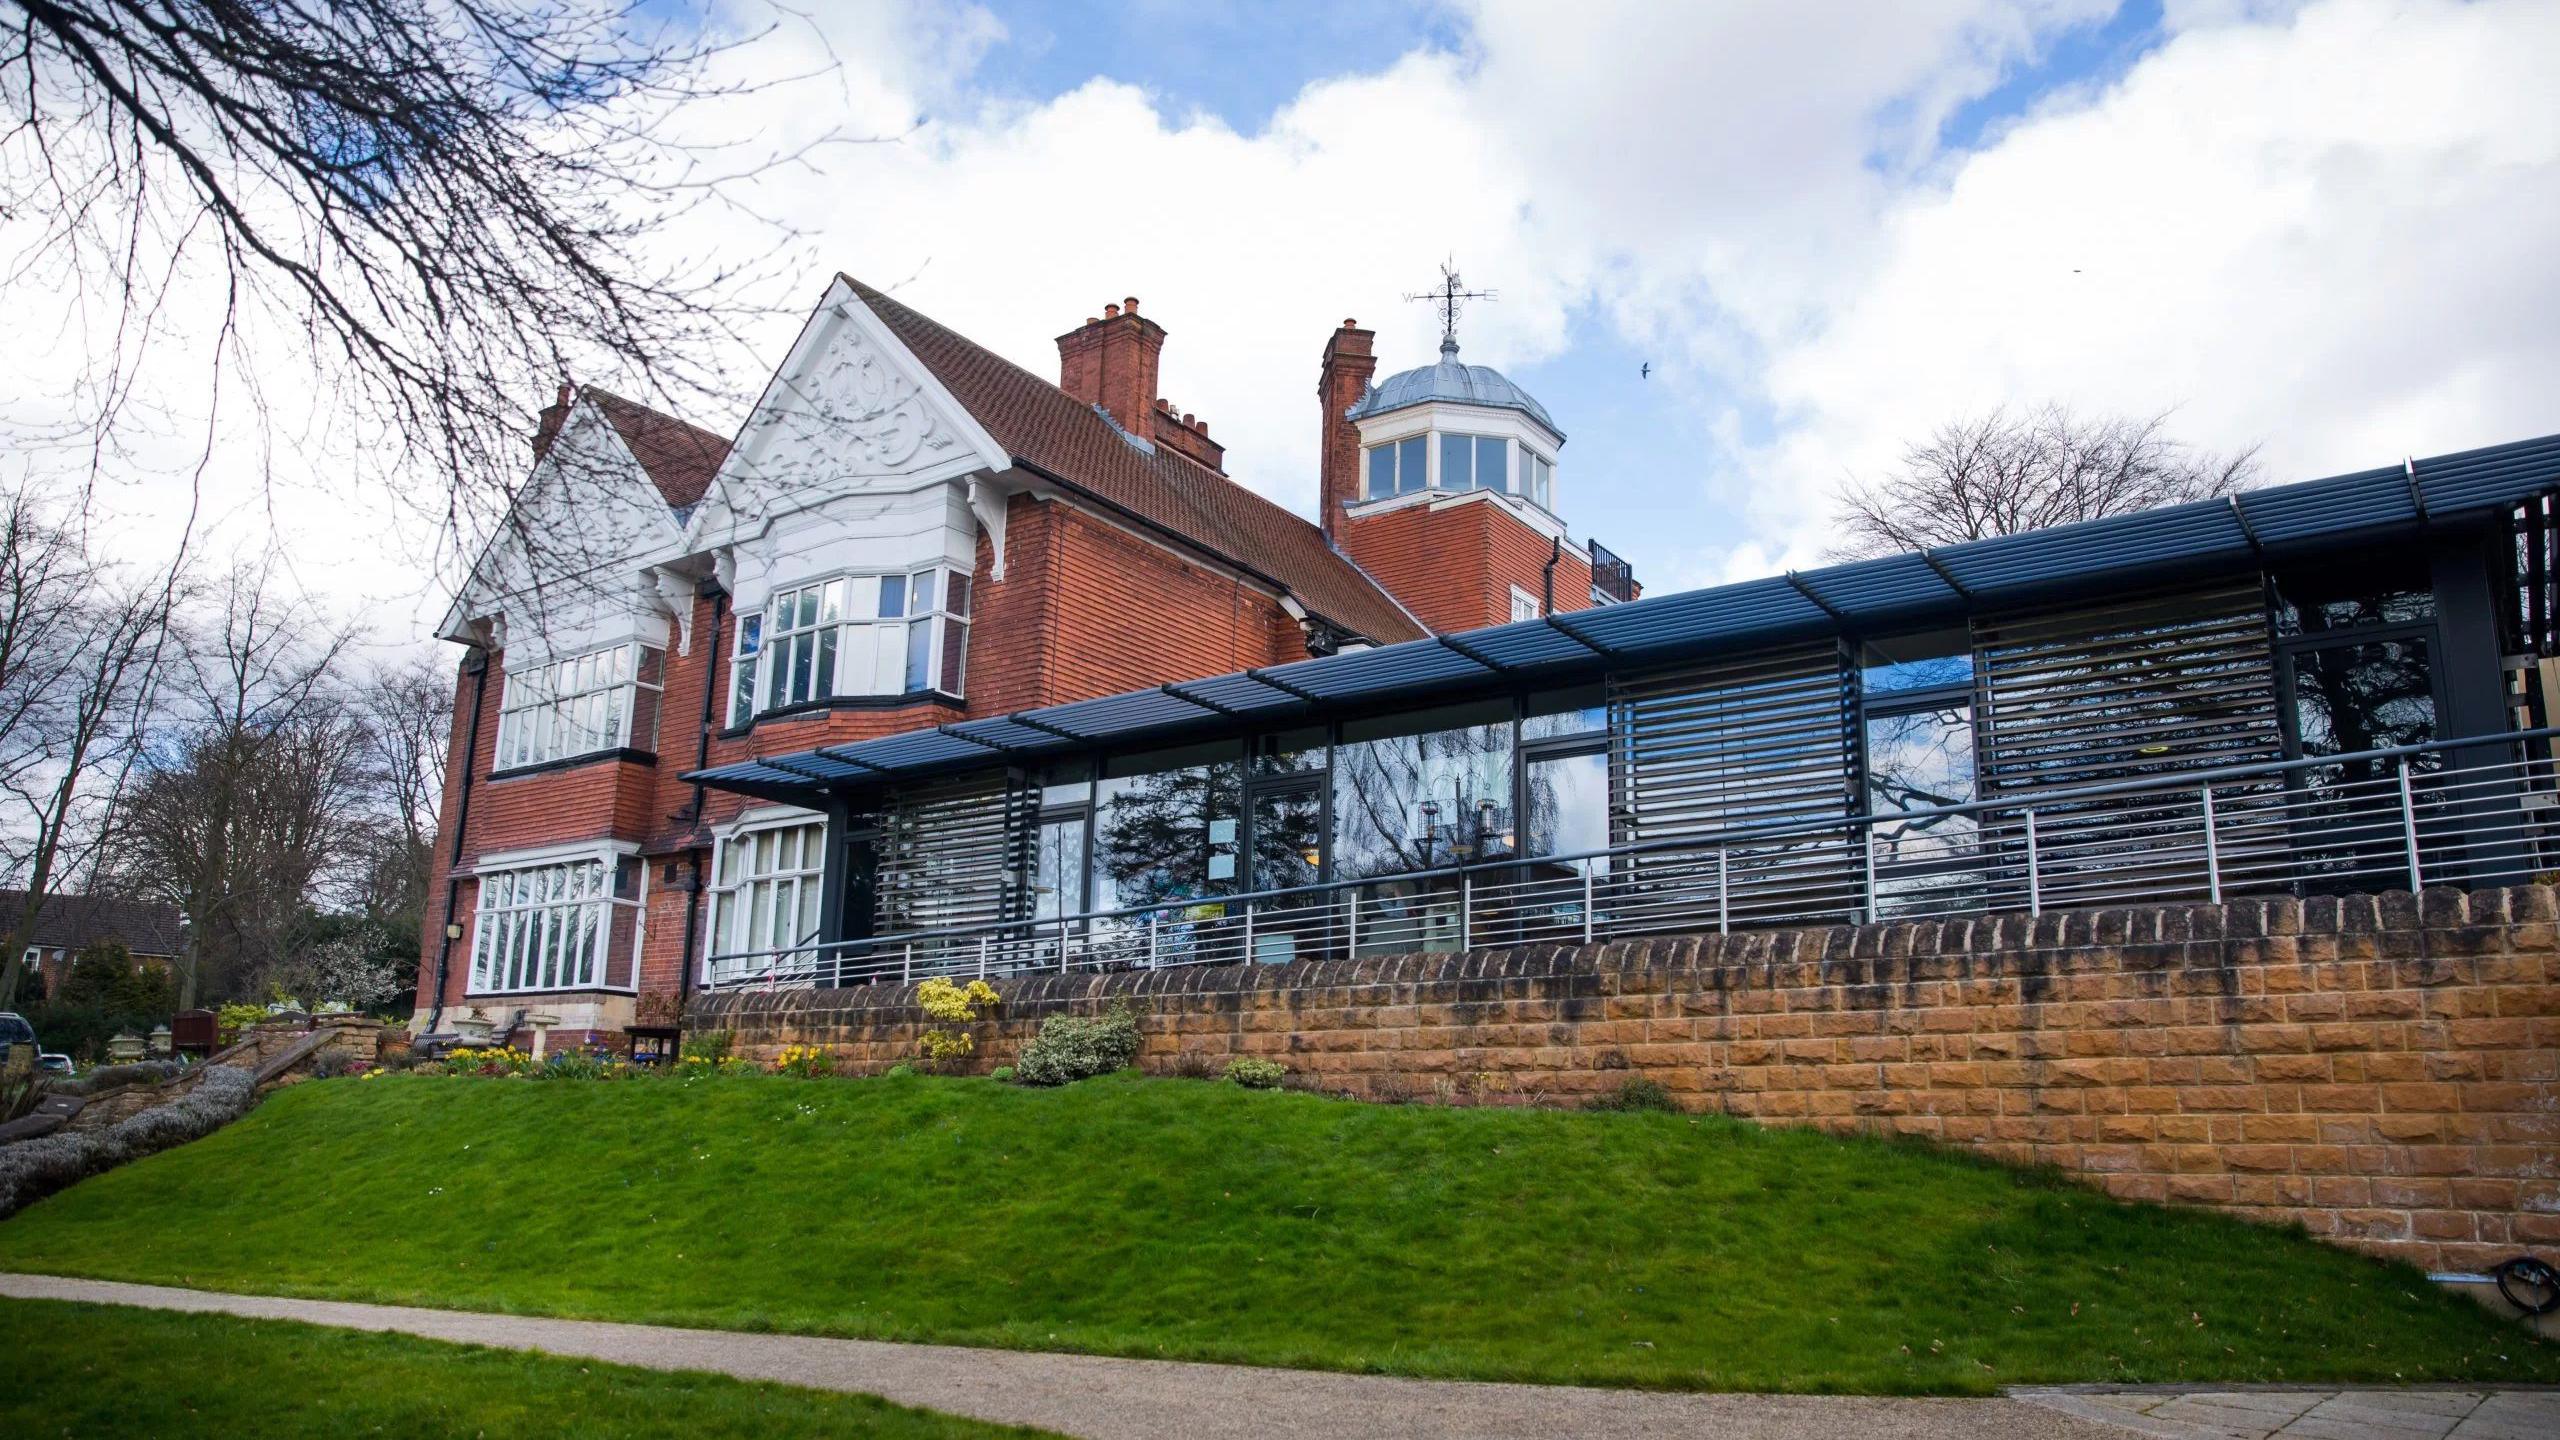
{"points": [[440, 206], [2002, 473]]}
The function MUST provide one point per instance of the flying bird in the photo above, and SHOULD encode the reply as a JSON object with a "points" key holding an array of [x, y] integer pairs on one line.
{"points": [[1645, 373]]}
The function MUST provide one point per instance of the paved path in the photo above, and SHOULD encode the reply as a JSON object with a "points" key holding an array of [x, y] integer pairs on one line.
{"points": [[2429, 1412], [1103, 1398]]}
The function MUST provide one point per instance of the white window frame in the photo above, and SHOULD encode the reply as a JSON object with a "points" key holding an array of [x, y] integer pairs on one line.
{"points": [[547, 926], [803, 628], [760, 872], [1525, 606], [1537, 489], [858, 619], [578, 705], [1396, 453], [1476, 441]]}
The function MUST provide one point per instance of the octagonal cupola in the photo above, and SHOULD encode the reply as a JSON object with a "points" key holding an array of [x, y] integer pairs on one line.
{"points": [[1439, 482], [1451, 428]]}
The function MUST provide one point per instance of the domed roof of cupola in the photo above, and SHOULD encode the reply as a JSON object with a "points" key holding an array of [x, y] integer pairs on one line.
{"points": [[1454, 384]]}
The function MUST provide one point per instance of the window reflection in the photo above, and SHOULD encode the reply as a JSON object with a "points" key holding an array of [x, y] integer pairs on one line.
{"points": [[1918, 761], [1405, 802], [1058, 868], [2369, 696], [1568, 806], [1165, 833]]}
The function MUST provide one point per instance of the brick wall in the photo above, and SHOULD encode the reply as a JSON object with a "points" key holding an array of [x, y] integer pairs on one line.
{"points": [[2384, 1070], [1453, 564]]}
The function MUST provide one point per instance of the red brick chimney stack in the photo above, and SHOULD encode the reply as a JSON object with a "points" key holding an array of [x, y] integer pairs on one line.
{"points": [[1111, 362], [553, 416], [1350, 358]]}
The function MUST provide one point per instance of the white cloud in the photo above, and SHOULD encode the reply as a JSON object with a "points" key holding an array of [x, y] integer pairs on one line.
{"points": [[1712, 177], [2329, 232], [2324, 227]]}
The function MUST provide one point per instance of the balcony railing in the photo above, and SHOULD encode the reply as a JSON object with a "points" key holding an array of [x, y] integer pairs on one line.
{"points": [[1612, 578], [2479, 811]]}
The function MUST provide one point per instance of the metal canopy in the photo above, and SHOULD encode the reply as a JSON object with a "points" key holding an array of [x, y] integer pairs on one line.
{"points": [[1864, 595]]}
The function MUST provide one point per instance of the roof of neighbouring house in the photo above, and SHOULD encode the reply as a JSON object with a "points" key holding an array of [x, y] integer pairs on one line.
{"points": [[1451, 383], [1069, 441], [680, 457], [75, 922]]}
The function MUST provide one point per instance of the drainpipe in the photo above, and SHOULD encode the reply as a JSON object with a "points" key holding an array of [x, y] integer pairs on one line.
{"points": [[461, 826], [1555, 555], [701, 761]]}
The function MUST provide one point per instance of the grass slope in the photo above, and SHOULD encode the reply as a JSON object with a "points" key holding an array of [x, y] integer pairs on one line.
{"points": [[1198, 1221], [81, 1370]]}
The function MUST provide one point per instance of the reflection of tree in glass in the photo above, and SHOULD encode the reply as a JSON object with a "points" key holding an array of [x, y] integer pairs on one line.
{"points": [[1382, 786], [1921, 761], [2364, 697], [1151, 832], [1287, 831]]}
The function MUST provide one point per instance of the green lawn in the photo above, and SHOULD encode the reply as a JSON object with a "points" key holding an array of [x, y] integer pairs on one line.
{"points": [[104, 1370], [1200, 1221]]}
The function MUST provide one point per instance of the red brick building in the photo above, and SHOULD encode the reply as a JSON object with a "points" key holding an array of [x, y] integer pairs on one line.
{"points": [[906, 531]]}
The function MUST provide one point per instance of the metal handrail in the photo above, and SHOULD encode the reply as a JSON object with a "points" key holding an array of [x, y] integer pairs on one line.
{"points": [[2219, 821]]}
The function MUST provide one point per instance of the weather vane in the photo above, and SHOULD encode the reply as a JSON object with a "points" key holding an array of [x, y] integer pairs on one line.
{"points": [[1450, 295]]}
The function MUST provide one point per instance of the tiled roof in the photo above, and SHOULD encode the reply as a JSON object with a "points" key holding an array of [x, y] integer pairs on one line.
{"points": [[680, 458], [1038, 423], [75, 922]]}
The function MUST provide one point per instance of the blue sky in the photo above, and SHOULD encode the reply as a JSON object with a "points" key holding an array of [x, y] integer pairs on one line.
{"points": [[1237, 62]]}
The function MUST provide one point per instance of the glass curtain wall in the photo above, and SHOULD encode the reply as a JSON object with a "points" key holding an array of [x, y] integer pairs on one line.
{"points": [[1420, 792]]}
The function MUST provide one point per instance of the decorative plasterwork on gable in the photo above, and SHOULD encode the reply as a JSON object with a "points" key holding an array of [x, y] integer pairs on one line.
{"points": [[561, 561], [850, 411]]}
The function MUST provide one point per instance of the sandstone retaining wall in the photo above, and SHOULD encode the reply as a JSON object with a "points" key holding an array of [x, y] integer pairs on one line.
{"points": [[2383, 1069]]}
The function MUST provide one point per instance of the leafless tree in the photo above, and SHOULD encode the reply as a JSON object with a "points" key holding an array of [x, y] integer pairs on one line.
{"points": [[81, 646], [430, 210], [406, 711], [2004, 472], [251, 804]]}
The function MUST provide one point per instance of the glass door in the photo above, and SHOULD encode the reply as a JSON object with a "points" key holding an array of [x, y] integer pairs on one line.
{"points": [[1284, 823]]}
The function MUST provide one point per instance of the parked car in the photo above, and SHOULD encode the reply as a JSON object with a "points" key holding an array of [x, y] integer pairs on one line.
{"points": [[53, 1063], [14, 1030]]}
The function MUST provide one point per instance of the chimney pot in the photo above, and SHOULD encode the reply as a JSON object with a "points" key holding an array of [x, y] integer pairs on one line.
{"points": [[1350, 324], [1130, 303], [1203, 428], [1188, 422], [1163, 404], [1111, 312]]}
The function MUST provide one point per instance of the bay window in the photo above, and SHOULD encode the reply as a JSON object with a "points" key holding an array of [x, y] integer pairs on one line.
{"points": [[764, 897], [563, 925], [603, 700], [861, 635]]}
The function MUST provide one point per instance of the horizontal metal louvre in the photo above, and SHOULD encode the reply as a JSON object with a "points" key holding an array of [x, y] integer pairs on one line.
{"points": [[1706, 749], [948, 853], [2135, 689], [2129, 691]]}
